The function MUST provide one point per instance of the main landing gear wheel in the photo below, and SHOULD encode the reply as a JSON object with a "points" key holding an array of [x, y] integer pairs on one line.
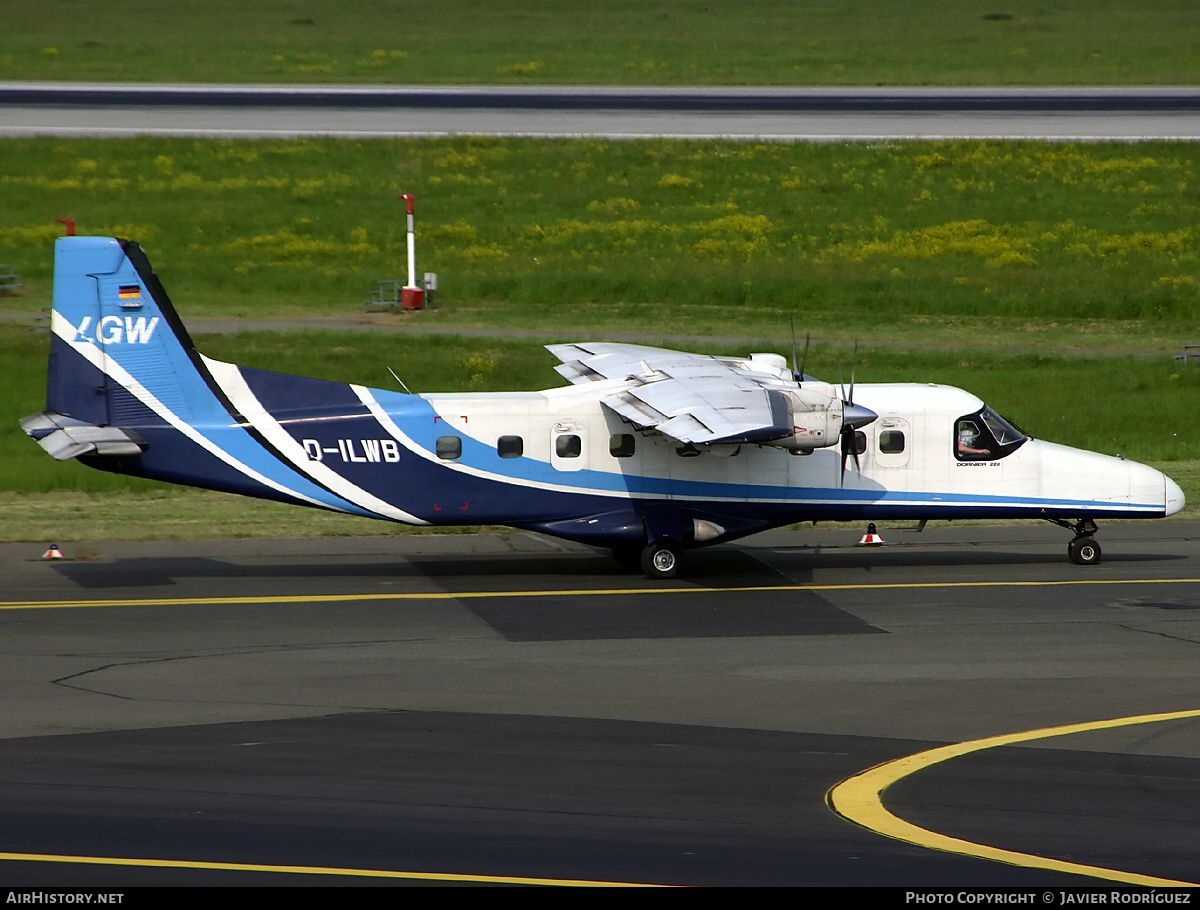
{"points": [[662, 559], [1084, 551]]}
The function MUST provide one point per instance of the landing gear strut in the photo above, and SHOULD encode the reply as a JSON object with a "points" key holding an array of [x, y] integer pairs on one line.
{"points": [[1083, 550]]}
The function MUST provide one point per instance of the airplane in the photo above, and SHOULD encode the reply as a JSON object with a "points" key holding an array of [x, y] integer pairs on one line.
{"points": [[646, 452]]}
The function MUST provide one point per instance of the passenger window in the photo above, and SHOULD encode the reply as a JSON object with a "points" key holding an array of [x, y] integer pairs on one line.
{"points": [[449, 447], [568, 445], [891, 442], [860, 442], [510, 446], [621, 445], [686, 450]]}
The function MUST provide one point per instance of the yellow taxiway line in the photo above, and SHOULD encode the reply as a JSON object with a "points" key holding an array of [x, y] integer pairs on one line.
{"points": [[315, 870], [570, 592], [860, 799]]}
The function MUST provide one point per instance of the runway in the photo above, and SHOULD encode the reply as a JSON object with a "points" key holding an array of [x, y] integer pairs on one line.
{"points": [[766, 114], [410, 709]]}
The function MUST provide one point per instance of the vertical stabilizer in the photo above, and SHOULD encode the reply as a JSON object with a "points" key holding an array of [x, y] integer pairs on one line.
{"points": [[76, 387], [117, 340], [129, 393]]}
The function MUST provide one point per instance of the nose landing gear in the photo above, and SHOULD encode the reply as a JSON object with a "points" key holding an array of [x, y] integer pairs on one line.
{"points": [[1083, 550]]}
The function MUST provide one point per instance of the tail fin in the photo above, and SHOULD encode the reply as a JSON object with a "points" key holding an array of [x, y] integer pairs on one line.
{"points": [[110, 306], [129, 393], [114, 330]]}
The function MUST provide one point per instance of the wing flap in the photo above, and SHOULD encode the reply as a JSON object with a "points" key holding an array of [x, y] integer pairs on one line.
{"points": [[689, 397]]}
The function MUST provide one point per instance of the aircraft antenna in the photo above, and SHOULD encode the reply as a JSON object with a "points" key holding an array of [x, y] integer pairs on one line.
{"points": [[399, 380]]}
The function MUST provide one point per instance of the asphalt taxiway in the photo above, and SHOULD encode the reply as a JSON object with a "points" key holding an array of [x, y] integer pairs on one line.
{"points": [[512, 708]]}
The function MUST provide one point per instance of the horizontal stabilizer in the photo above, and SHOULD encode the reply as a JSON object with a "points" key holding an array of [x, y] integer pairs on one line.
{"points": [[65, 437]]}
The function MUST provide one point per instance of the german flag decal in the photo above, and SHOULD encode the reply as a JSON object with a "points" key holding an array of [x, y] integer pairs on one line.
{"points": [[130, 292]]}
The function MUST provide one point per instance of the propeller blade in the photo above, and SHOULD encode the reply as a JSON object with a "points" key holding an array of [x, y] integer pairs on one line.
{"points": [[792, 320], [847, 447], [853, 367], [854, 418]]}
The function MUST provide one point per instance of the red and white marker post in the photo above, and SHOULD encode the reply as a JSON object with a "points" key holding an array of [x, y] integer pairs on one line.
{"points": [[412, 296]]}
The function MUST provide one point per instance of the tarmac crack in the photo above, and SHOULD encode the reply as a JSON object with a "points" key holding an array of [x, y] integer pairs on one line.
{"points": [[1166, 635], [65, 681]]}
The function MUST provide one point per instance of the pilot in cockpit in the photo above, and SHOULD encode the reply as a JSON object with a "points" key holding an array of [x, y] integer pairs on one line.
{"points": [[968, 439]]}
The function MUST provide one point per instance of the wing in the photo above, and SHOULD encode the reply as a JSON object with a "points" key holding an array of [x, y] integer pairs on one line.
{"points": [[689, 397]]}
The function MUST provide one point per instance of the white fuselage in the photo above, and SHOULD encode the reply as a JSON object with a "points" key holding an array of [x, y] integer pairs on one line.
{"points": [[908, 465]]}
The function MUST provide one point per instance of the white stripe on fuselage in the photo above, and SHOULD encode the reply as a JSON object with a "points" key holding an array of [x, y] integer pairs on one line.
{"points": [[231, 381]]}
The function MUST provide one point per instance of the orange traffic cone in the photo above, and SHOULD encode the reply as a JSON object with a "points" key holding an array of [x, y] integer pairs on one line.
{"points": [[53, 553]]}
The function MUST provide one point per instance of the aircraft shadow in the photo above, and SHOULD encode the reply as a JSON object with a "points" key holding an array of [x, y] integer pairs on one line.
{"points": [[152, 572], [567, 611], [791, 559], [718, 567], [727, 568]]}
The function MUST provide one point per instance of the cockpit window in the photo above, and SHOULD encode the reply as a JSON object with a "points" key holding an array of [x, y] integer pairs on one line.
{"points": [[985, 436], [1004, 432]]}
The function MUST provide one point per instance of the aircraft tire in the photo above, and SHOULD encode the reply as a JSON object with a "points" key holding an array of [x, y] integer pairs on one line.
{"points": [[1084, 551], [662, 559]]}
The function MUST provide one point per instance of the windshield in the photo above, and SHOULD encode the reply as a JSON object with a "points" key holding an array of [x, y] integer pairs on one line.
{"points": [[1003, 431], [985, 436]]}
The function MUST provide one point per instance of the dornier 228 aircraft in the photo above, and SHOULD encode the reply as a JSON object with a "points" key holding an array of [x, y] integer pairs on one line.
{"points": [[648, 452]]}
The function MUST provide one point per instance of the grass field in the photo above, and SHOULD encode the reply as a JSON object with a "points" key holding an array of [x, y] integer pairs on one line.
{"points": [[966, 242], [763, 42]]}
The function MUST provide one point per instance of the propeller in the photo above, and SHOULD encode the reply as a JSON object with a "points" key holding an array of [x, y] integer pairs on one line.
{"points": [[798, 372], [854, 417], [792, 323]]}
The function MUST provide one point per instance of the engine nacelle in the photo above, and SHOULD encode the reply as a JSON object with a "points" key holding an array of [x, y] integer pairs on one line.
{"points": [[820, 417], [817, 424]]}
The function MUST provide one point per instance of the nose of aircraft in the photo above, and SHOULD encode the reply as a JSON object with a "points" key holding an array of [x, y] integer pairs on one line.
{"points": [[1145, 481], [1174, 498], [1107, 480]]}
